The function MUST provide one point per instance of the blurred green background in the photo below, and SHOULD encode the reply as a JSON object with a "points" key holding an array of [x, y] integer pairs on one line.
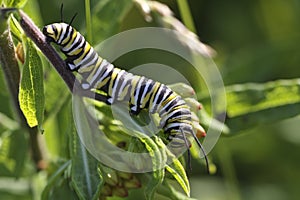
{"points": [[256, 42]]}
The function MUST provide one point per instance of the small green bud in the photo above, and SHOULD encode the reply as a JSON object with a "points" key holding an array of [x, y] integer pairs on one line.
{"points": [[119, 191], [132, 183]]}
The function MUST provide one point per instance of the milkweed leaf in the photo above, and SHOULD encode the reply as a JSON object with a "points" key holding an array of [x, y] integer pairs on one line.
{"points": [[158, 159], [177, 170], [53, 179], [31, 91], [253, 104], [108, 17], [15, 3], [85, 173]]}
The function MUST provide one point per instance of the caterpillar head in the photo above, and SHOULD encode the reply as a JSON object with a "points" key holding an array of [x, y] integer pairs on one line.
{"points": [[54, 32]]}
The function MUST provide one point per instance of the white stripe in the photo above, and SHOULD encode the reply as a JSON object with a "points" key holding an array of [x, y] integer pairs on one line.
{"points": [[167, 116], [100, 70], [145, 91], [116, 84], [127, 78], [163, 99], [74, 42], [163, 108], [172, 125], [109, 69], [137, 92], [155, 99], [86, 57], [91, 62], [78, 46], [63, 31]]}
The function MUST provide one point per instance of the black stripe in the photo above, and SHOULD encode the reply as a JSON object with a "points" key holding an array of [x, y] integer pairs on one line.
{"points": [[142, 88], [76, 44], [94, 54], [121, 81], [151, 84], [160, 96], [166, 89], [180, 112], [71, 31], [105, 87], [154, 94], [183, 126], [54, 30], [174, 102], [114, 82]]}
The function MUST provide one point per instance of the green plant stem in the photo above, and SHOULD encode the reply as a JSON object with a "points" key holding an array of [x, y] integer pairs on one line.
{"points": [[10, 66], [88, 19], [12, 76], [186, 15]]}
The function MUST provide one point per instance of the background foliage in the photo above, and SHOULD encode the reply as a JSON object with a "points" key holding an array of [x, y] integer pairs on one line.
{"points": [[257, 46]]}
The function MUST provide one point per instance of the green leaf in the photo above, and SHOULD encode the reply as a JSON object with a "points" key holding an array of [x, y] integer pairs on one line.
{"points": [[31, 93], [18, 151], [12, 161], [13, 148], [8, 123], [107, 17], [178, 172], [53, 179], [158, 161], [215, 125], [15, 28], [15, 3], [58, 125], [252, 104], [86, 179], [170, 192]]}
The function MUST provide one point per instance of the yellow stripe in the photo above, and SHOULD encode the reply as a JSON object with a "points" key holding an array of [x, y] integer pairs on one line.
{"points": [[71, 41], [173, 95], [85, 51], [58, 28], [156, 87], [147, 97], [133, 84], [113, 77], [92, 68], [102, 83], [123, 92]]}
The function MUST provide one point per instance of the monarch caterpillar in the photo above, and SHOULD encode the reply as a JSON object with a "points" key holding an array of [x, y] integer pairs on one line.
{"points": [[119, 85]]}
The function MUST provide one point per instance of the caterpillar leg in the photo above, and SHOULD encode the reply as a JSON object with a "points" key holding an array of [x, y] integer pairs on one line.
{"points": [[188, 149], [85, 85]]}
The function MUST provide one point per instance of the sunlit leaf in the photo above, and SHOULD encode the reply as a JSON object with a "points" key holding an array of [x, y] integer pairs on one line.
{"points": [[15, 3], [15, 28], [31, 94], [252, 104], [178, 172], [158, 160]]}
